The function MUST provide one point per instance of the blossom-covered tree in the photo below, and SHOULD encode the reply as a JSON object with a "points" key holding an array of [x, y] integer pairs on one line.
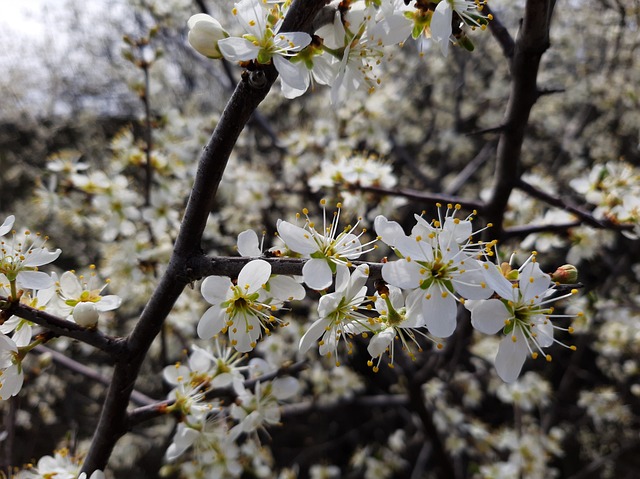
{"points": [[362, 272]]}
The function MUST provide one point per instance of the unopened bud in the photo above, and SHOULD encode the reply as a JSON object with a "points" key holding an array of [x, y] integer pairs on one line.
{"points": [[85, 314], [565, 274], [204, 34]]}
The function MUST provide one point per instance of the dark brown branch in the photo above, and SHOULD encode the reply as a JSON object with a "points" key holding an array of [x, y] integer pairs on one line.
{"points": [[63, 327], [113, 422], [136, 396], [525, 230], [202, 266], [585, 216], [531, 43], [422, 196], [500, 33]]}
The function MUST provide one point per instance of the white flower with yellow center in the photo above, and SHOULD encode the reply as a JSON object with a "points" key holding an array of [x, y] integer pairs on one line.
{"points": [[330, 252], [21, 256], [245, 309], [437, 263], [82, 300], [522, 311]]}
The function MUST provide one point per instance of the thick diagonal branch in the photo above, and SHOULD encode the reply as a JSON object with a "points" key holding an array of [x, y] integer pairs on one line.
{"points": [[531, 43], [245, 99]]}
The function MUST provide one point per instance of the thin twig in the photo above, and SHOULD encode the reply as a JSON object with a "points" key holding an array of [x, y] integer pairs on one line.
{"points": [[500, 33], [423, 196], [584, 215], [136, 396]]}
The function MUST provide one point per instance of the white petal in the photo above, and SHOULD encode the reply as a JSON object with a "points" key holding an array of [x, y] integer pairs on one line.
{"points": [[11, 382], [488, 316], [389, 231], [249, 244], [439, 312], [70, 285], [295, 75], [175, 374], [357, 282], [109, 303], [343, 275], [285, 388], [7, 225], [497, 282], [533, 282], [41, 256], [441, 26], [254, 275], [237, 49], [285, 288], [214, 289], [299, 40], [511, 356], [317, 274], [211, 322], [402, 273], [34, 280], [313, 334], [544, 331], [471, 284], [297, 239], [380, 342]]}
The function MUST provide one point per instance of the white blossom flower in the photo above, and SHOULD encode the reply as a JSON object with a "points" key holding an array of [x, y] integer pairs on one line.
{"points": [[61, 465], [396, 320], [11, 376], [263, 42], [522, 311], [20, 328], [261, 408], [216, 367], [469, 12], [437, 263], [81, 300], [330, 251], [245, 310], [339, 314], [20, 258]]}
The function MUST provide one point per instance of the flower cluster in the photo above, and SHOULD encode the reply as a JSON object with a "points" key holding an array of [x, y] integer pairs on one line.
{"points": [[21, 281], [614, 188], [208, 430], [346, 52], [439, 267]]}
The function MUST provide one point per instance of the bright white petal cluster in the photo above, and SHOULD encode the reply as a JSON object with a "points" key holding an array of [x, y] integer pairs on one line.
{"points": [[330, 251], [340, 314], [245, 310], [522, 311], [81, 300], [437, 265], [21, 257]]}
